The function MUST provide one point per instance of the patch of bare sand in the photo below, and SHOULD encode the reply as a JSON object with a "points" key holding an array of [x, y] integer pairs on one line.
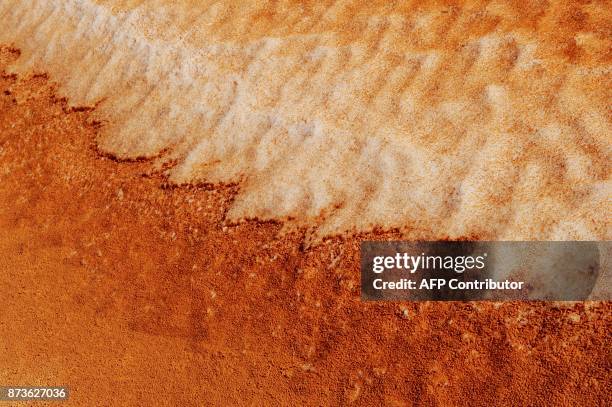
{"points": [[483, 118], [135, 292]]}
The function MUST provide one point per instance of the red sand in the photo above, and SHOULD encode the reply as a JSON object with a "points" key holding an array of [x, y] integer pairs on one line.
{"points": [[131, 292]]}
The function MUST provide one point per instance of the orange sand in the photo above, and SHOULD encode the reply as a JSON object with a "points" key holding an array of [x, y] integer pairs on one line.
{"points": [[135, 293], [440, 118]]}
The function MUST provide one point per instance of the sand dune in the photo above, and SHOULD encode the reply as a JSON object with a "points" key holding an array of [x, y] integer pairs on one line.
{"points": [[458, 118], [132, 293], [434, 119]]}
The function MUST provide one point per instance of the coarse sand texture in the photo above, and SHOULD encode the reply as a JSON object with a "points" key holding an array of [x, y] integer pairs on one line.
{"points": [[486, 119]]}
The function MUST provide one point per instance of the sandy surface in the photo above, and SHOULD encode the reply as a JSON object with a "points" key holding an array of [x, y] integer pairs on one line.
{"points": [[487, 118], [135, 292]]}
